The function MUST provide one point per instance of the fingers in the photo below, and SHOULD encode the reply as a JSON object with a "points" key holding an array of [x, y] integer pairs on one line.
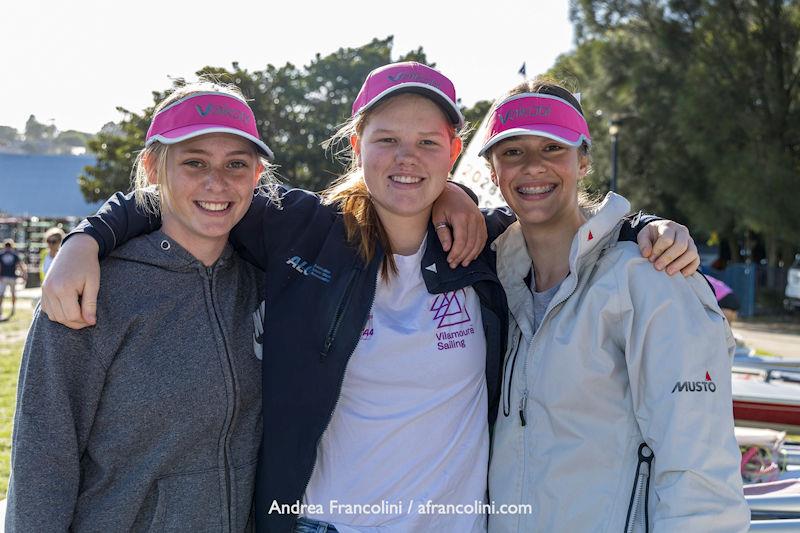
{"points": [[89, 300], [666, 249], [469, 245], [61, 305], [478, 242], [688, 263], [691, 268], [645, 241], [444, 234], [71, 310], [460, 225], [470, 234], [74, 271], [679, 263], [673, 251]]}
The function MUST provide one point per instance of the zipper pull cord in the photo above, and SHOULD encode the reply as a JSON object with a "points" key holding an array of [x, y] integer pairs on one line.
{"points": [[508, 377], [523, 404], [645, 454]]}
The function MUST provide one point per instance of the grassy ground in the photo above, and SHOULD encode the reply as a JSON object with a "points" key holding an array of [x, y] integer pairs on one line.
{"points": [[12, 339]]}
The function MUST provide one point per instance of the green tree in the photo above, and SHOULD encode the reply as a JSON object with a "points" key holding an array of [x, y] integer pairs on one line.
{"points": [[710, 89], [37, 136], [8, 134], [36, 131], [72, 138], [474, 115], [115, 155]]}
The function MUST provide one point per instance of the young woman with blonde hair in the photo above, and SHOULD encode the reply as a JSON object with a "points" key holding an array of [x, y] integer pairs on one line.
{"points": [[151, 420]]}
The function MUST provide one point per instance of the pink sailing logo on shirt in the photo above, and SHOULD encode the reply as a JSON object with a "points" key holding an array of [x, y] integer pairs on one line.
{"points": [[368, 329], [449, 309]]}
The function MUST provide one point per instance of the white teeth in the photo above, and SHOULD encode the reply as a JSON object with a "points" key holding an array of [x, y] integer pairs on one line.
{"points": [[405, 179], [214, 206], [536, 190]]}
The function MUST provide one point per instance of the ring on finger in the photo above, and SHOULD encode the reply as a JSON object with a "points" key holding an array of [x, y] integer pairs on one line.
{"points": [[439, 225]]}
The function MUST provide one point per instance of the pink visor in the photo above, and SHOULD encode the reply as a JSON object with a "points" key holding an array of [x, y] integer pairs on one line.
{"points": [[412, 77], [202, 113], [536, 114]]}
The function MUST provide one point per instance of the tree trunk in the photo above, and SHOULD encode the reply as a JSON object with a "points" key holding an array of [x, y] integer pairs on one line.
{"points": [[771, 244]]}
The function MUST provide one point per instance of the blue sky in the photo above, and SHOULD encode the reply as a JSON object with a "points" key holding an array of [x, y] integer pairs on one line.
{"points": [[74, 62]]}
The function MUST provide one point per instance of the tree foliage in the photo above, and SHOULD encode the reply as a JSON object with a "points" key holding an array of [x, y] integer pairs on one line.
{"points": [[709, 94], [41, 138]]}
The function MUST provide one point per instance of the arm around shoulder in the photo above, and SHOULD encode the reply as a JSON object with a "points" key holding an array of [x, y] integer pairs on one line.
{"points": [[116, 222], [273, 221]]}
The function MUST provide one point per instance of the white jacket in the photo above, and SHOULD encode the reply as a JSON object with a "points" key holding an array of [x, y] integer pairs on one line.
{"points": [[625, 355]]}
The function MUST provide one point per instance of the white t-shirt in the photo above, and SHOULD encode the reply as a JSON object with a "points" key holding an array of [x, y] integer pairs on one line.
{"points": [[410, 426]]}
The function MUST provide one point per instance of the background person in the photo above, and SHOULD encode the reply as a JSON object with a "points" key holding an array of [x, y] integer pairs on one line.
{"points": [[52, 238], [12, 266], [726, 298]]}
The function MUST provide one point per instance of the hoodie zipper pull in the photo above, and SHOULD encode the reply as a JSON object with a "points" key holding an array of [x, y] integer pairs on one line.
{"points": [[523, 404]]}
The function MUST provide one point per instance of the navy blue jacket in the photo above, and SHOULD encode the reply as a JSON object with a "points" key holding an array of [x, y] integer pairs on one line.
{"points": [[319, 293]]}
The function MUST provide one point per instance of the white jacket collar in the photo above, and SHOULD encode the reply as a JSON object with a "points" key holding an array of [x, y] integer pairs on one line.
{"points": [[514, 263], [600, 222]]}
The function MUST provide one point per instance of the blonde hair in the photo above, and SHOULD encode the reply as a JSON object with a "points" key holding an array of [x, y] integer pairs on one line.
{"points": [[363, 226], [148, 195], [587, 200], [55, 231]]}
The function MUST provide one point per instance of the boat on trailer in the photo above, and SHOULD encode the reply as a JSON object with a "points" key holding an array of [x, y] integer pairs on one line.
{"points": [[767, 396]]}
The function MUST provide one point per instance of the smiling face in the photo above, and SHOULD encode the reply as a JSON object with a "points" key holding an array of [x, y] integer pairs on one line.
{"points": [[538, 178], [406, 150], [209, 187]]}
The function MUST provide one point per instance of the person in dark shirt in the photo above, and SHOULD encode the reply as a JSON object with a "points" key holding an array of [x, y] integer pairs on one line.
{"points": [[10, 265]]}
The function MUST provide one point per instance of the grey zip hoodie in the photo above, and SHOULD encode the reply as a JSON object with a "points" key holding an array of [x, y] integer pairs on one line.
{"points": [[151, 420]]}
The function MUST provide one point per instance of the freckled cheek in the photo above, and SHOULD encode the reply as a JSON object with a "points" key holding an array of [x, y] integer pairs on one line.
{"points": [[374, 159]]}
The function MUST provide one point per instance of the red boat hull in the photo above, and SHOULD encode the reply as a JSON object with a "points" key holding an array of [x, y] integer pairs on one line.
{"points": [[769, 404], [770, 415]]}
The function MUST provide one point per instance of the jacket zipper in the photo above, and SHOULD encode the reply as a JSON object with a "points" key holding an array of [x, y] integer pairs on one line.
{"points": [[337, 319], [640, 483], [341, 379], [510, 373], [547, 314], [523, 404], [228, 481]]}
